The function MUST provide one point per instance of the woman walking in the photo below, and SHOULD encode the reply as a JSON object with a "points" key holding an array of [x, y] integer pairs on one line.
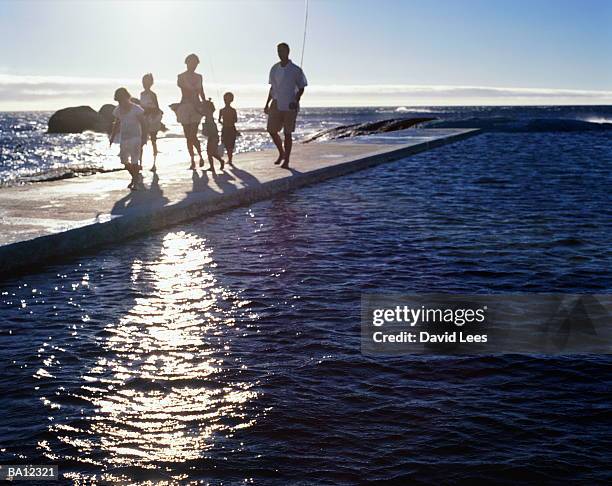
{"points": [[189, 110]]}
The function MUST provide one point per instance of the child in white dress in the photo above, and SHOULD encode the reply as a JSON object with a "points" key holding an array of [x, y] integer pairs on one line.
{"points": [[130, 122]]}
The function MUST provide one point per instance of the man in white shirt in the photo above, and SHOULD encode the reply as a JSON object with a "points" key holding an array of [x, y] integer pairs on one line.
{"points": [[287, 83]]}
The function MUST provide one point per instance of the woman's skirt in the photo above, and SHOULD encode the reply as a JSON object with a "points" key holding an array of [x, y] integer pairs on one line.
{"points": [[187, 114]]}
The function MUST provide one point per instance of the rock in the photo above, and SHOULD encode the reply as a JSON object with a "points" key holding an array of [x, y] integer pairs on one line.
{"points": [[369, 128], [106, 112], [77, 119]]}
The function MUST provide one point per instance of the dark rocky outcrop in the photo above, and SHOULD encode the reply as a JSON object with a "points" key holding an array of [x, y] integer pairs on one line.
{"points": [[106, 113], [79, 119], [369, 128], [76, 119]]}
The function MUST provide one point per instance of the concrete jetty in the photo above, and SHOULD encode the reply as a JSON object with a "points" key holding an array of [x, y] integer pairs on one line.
{"points": [[43, 222]]}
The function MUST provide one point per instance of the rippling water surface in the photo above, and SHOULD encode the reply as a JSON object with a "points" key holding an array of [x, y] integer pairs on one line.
{"points": [[227, 350], [27, 151]]}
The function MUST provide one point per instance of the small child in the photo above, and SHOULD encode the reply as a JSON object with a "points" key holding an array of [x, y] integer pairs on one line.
{"points": [[228, 117], [153, 115], [211, 132], [130, 121]]}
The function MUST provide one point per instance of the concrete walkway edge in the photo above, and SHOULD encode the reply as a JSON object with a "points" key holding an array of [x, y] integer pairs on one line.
{"points": [[31, 254]]}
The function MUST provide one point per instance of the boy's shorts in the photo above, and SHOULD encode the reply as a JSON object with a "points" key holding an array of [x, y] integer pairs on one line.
{"points": [[281, 119], [129, 150], [228, 137]]}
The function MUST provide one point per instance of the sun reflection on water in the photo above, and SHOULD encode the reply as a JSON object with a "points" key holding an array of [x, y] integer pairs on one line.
{"points": [[166, 386]]}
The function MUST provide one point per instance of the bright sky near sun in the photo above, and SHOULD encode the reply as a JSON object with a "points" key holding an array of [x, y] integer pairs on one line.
{"points": [[358, 52]]}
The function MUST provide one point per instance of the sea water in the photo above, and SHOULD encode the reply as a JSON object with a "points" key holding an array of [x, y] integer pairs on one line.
{"points": [[228, 349]]}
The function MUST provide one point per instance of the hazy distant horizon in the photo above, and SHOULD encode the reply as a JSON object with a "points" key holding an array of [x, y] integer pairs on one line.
{"points": [[357, 53], [49, 93]]}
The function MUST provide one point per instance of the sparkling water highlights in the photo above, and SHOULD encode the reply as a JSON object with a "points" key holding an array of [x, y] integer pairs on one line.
{"points": [[147, 396], [27, 151]]}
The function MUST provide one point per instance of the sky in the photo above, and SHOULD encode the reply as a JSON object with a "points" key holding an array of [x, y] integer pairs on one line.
{"points": [[357, 52]]}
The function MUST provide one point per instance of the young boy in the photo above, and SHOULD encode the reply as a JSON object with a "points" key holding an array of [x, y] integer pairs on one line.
{"points": [[211, 132], [152, 113], [228, 117], [130, 121]]}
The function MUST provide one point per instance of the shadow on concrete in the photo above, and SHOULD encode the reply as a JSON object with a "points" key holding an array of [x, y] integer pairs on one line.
{"points": [[228, 182], [200, 184], [244, 176], [223, 180], [153, 197]]}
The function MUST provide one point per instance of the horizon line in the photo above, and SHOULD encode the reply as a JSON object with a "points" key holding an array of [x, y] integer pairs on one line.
{"points": [[28, 92]]}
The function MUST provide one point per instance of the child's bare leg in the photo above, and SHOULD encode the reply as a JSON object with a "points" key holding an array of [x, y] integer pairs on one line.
{"points": [[220, 160], [125, 160], [130, 168], [154, 144], [137, 176]]}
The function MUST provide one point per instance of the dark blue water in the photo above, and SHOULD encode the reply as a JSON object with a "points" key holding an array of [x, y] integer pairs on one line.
{"points": [[227, 350]]}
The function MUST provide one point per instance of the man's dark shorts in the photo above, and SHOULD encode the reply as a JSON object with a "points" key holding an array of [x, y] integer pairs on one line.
{"points": [[278, 120]]}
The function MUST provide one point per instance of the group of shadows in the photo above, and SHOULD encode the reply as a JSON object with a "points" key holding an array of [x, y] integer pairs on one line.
{"points": [[153, 195]]}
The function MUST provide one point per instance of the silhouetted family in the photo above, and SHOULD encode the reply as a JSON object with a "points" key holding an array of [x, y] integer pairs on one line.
{"points": [[138, 121]]}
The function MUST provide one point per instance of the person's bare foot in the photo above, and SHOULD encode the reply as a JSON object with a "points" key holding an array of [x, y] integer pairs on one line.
{"points": [[285, 164], [280, 159]]}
